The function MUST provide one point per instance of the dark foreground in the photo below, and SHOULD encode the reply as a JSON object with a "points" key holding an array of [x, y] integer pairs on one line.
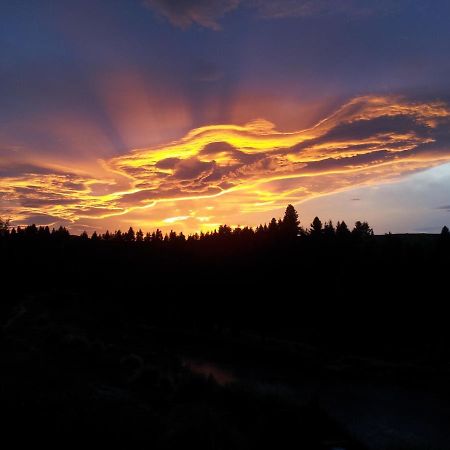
{"points": [[305, 343]]}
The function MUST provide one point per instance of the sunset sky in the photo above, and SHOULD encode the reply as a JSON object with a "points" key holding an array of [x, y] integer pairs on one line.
{"points": [[186, 114]]}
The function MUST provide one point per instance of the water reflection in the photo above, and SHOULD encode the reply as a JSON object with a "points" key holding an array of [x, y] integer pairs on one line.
{"points": [[208, 369]]}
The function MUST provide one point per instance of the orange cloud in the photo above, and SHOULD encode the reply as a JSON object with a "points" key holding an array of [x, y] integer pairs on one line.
{"points": [[229, 173]]}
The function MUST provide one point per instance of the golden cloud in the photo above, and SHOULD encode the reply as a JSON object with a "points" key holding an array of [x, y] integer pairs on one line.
{"points": [[221, 171]]}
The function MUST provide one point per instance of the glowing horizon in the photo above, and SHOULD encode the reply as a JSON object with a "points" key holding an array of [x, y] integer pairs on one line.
{"points": [[219, 174]]}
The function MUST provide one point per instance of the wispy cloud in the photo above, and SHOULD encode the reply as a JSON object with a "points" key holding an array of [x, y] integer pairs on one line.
{"points": [[184, 13], [208, 13], [306, 8]]}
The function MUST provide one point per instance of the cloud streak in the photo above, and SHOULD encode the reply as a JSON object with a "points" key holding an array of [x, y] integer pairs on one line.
{"points": [[221, 171], [208, 13], [184, 13]]}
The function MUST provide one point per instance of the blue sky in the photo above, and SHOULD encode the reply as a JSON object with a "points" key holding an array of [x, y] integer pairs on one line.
{"points": [[84, 83]]}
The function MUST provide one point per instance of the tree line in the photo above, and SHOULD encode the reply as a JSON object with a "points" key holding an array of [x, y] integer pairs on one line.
{"points": [[270, 278], [288, 227]]}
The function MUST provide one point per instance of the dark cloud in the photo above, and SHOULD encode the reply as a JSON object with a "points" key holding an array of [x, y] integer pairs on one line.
{"points": [[42, 220], [168, 163], [305, 8], [19, 169], [184, 13], [89, 212], [213, 148], [143, 196], [42, 202], [444, 207], [207, 13], [365, 159], [367, 128], [192, 168], [216, 149], [146, 196]]}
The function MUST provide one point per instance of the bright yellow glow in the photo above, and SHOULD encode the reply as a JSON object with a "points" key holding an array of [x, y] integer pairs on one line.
{"points": [[175, 219], [218, 173]]}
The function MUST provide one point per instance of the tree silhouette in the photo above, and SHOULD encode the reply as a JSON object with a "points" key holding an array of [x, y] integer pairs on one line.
{"points": [[238, 237], [44, 232], [290, 224], [273, 226], [316, 227], [225, 231], [61, 233], [130, 236], [328, 230], [342, 230], [157, 236], [4, 226], [362, 230], [444, 237]]}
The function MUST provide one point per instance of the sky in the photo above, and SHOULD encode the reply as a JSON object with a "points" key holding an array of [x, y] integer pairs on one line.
{"points": [[187, 114]]}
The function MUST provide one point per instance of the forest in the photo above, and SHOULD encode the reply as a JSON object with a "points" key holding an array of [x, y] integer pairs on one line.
{"points": [[268, 279], [102, 335]]}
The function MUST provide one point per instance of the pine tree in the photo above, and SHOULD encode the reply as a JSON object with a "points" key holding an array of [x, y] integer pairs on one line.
{"points": [[130, 236], [290, 224], [362, 230], [342, 230], [328, 229], [139, 236], [316, 227], [273, 226]]}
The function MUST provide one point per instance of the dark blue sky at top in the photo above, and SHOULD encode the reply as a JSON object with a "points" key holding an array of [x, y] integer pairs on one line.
{"points": [[53, 54], [63, 39]]}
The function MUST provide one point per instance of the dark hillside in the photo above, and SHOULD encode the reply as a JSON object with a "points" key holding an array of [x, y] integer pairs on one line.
{"points": [[98, 333]]}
